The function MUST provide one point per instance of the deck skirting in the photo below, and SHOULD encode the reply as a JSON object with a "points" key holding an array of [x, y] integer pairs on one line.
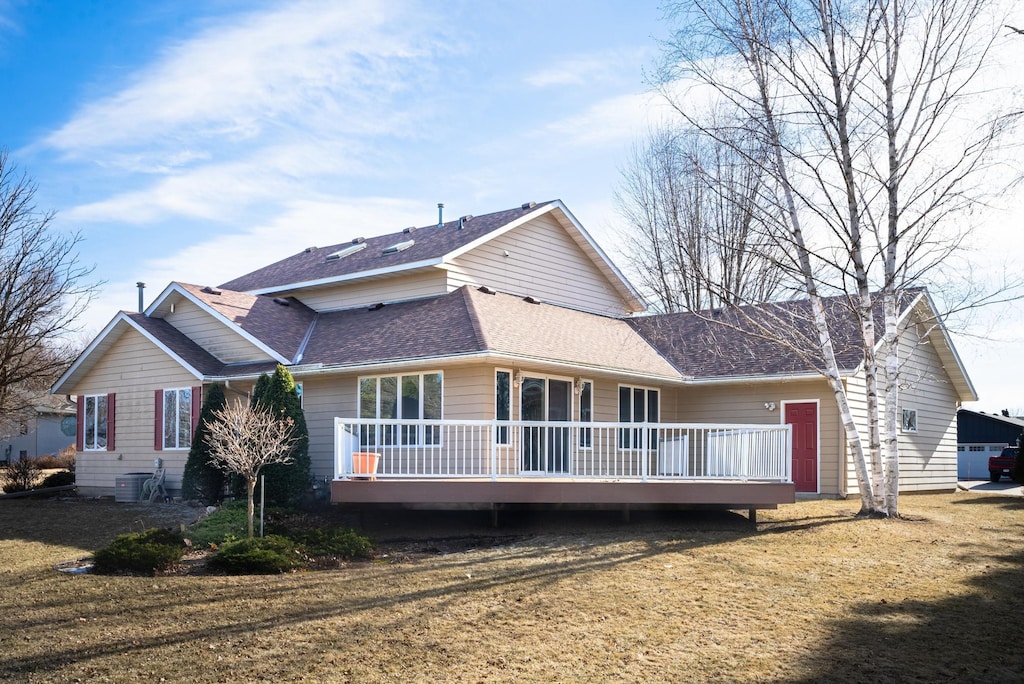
{"points": [[542, 491]]}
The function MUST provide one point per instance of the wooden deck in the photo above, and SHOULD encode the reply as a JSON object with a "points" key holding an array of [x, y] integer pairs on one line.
{"points": [[726, 494]]}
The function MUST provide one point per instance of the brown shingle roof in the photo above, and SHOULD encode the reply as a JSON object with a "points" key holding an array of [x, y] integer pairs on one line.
{"points": [[172, 338], [430, 243], [514, 326], [407, 330], [732, 343], [468, 321], [281, 324]]}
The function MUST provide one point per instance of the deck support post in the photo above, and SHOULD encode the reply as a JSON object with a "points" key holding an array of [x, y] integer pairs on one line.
{"points": [[494, 515], [625, 513], [752, 516]]}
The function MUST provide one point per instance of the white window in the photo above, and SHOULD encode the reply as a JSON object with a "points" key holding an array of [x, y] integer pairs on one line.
{"points": [[177, 418], [502, 404], [977, 447], [94, 427], [401, 397], [637, 405], [586, 411], [909, 423]]}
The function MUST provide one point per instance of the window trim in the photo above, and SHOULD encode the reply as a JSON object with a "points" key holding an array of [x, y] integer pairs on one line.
{"points": [[423, 436], [503, 433], [177, 418], [913, 426], [586, 439], [83, 410], [626, 443]]}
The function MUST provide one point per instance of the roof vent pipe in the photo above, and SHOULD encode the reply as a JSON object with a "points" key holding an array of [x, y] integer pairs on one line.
{"points": [[142, 286], [440, 214]]}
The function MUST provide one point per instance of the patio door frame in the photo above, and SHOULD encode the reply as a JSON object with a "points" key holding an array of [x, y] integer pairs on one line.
{"points": [[548, 450]]}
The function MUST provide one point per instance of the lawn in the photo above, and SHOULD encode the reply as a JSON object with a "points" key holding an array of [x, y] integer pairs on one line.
{"points": [[812, 594]]}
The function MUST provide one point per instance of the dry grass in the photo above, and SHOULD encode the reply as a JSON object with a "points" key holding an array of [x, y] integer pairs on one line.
{"points": [[811, 595]]}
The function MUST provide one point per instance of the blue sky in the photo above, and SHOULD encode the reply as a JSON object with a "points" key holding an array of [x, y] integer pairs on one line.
{"points": [[197, 141]]}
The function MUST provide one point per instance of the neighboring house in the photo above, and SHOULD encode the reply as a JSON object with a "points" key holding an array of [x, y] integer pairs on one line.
{"points": [[498, 359], [981, 435], [50, 429]]}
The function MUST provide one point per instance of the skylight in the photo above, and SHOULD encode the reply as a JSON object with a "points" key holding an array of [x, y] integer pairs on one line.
{"points": [[400, 247], [345, 251]]}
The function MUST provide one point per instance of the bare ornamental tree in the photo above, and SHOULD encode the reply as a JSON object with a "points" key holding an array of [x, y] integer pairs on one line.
{"points": [[696, 230], [861, 105], [243, 439], [42, 295]]}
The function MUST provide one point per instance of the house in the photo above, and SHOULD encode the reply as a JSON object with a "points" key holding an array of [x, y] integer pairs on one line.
{"points": [[48, 429], [500, 359], [980, 435]]}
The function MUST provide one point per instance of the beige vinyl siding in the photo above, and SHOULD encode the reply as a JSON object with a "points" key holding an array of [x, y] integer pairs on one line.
{"points": [[324, 398], [468, 394], [544, 262], [132, 368], [857, 396], [927, 457], [744, 403], [426, 283], [220, 339]]}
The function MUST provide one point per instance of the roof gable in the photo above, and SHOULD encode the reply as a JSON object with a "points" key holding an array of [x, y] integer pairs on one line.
{"points": [[418, 248], [163, 335], [725, 344], [276, 326], [471, 321]]}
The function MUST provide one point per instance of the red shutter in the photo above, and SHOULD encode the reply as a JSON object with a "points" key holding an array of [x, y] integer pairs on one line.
{"points": [[80, 428], [197, 405], [110, 421], [158, 420]]}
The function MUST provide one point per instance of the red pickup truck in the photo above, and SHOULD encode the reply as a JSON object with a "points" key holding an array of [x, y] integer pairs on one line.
{"points": [[1002, 464]]}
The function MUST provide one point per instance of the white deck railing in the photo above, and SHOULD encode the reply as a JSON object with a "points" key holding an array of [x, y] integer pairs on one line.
{"points": [[513, 449]]}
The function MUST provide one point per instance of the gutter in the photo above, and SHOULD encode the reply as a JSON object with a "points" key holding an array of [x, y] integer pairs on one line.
{"points": [[498, 359]]}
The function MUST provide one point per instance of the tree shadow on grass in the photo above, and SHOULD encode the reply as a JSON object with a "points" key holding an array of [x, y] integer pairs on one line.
{"points": [[969, 637], [132, 613]]}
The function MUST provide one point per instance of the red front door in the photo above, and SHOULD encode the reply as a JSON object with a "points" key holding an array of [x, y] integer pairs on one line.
{"points": [[804, 419]]}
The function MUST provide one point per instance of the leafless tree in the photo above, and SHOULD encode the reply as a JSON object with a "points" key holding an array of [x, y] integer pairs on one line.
{"points": [[861, 104], [243, 439], [696, 234], [42, 294]]}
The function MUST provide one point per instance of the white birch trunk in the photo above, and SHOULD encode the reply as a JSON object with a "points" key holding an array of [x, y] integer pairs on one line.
{"points": [[892, 410], [853, 439]]}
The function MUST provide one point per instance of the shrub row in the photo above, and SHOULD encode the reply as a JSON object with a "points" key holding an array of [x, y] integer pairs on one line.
{"points": [[156, 550]]}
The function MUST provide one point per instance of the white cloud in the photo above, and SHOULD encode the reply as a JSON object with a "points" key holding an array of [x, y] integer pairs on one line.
{"points": [[613, 120], [321, 64], [228, 255], [585, 69]]}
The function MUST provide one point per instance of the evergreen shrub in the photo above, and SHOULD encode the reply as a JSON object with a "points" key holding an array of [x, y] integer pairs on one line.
{"points": [[268, 555], [140, 553]]}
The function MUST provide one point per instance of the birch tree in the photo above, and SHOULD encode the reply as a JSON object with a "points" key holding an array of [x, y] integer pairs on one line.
{"points": [[243, 439], [861, 104]]}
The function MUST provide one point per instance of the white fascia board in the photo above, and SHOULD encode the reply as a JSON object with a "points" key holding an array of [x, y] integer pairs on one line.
{"points": [[120, 319], [948, 341], [600, 252], [219, 317], [925, 298], [348, 276], [757, 379], [84, 356], [481, 357]]}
